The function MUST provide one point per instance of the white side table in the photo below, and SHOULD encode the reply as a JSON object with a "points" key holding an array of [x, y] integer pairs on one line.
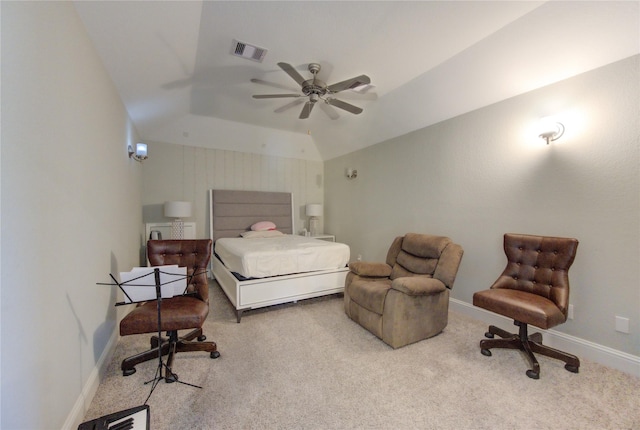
{"points": [[327, 237]]}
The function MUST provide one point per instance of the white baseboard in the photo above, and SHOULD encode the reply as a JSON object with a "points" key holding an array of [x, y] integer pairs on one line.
{"points": [[75, 417], [610, 357]]}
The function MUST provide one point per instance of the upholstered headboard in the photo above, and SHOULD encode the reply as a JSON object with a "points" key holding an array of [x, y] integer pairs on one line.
{"points": [[232, 212]]}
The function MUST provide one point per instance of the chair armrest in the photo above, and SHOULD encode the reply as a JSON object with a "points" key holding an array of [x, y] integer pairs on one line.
{"points": [[371, 270], [418, 286], [448, 264]]}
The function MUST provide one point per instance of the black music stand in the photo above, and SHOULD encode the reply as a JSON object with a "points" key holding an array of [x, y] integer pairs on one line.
{"points": [[170, 376], [120, 420]]}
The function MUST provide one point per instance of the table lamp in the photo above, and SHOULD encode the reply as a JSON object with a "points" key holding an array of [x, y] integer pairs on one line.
{"points": [[177, 210], [314, 210]]}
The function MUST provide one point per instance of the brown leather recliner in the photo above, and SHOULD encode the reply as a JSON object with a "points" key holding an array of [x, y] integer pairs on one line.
{"points": [[405, 299], [533, 289], [183, 312]]}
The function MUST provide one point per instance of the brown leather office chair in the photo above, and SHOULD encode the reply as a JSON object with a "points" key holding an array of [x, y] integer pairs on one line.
{"points": [[405, 299], [533, 289], [177, 313]]}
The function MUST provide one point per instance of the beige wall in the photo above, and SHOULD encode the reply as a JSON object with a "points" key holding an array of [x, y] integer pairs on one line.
{"points": [[70, 214], [177, 172], [485, 173]]}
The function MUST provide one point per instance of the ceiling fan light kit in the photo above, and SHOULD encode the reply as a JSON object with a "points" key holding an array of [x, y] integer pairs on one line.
{"points": [[316, 90]]}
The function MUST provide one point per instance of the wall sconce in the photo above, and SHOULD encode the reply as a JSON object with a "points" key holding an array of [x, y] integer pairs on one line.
{"points": [[140, 154], [351, 173], [549, 129], [177, 210], [314, 210]]}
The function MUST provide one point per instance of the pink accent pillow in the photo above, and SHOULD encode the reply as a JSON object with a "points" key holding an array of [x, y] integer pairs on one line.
{"points": [[263, 226], [261, 234]]}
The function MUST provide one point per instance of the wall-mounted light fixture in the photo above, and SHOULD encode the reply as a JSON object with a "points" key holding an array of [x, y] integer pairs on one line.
{"points": [[549, 129], [351, 173], [140, 153]]}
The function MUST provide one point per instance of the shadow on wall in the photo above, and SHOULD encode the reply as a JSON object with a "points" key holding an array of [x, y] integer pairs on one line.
{"points": [[153, 213], [103, 333]]}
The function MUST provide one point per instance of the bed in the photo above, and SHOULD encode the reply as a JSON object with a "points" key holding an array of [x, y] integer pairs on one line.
{"points": [[296, 272]]}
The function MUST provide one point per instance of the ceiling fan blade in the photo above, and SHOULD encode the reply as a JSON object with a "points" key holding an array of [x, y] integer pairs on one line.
{"points": [[344, 105], [354, 95], [306, 110], [273, 84], [274, 96], [289, 70], [289, 105], [329, 110], [349, 83]]}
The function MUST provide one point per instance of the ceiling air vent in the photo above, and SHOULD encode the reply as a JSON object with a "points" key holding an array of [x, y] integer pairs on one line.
{"points": [[250, 52]]}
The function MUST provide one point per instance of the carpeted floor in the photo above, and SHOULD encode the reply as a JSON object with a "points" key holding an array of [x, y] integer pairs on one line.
{"points": [[307, 366]]}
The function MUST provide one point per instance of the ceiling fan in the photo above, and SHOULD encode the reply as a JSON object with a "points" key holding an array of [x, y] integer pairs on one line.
{"points": [[316, 90]]}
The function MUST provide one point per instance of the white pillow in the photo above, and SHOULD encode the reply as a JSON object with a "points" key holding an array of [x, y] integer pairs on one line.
{"points": [[263, 226], [261, 234]]}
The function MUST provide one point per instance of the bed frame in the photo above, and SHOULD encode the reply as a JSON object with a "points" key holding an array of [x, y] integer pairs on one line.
{"points": [[232, 212]]}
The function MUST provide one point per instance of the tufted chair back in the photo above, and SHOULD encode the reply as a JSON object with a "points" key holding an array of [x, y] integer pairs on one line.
{"points": [[180, 312], [533, 289], [192, 254], [539, 265], [422, 255]]}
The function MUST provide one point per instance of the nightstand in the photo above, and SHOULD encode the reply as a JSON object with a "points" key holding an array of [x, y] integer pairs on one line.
{"points": [[327, 237]]}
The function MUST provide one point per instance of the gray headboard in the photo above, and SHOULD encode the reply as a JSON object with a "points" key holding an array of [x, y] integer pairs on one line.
{"points": [[232, 212]]}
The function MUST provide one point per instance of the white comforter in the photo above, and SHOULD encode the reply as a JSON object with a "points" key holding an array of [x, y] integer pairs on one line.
{"points": [[282, 255]]}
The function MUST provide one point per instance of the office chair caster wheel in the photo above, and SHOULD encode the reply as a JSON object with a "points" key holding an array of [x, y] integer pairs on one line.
{"points": [[215, 354], [486, 352], [202, 338], [127, 372], [570, 368], [533, 375], [489, 335]]}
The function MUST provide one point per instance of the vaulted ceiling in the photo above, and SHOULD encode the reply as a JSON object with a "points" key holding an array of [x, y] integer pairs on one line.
{"points": [[173, 62]]}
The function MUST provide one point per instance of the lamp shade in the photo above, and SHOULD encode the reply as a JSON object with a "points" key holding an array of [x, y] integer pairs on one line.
{"points": [[314, 209], [547, 127], [141, 149], [177, 209]]}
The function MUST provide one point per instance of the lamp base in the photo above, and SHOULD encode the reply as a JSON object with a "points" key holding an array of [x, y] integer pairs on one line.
{"points": [[314, 226], [177, 229]]}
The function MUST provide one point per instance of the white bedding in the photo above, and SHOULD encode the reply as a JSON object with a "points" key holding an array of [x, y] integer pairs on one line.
{"points": [[282, 255]]}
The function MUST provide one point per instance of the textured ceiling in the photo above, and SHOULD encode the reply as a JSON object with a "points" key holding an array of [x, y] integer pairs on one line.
{"points": [[428, 61]]}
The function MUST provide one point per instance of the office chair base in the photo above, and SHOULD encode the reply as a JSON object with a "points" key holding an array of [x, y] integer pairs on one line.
{"points": [[170, 347], [572, 369], [527, 344]]}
